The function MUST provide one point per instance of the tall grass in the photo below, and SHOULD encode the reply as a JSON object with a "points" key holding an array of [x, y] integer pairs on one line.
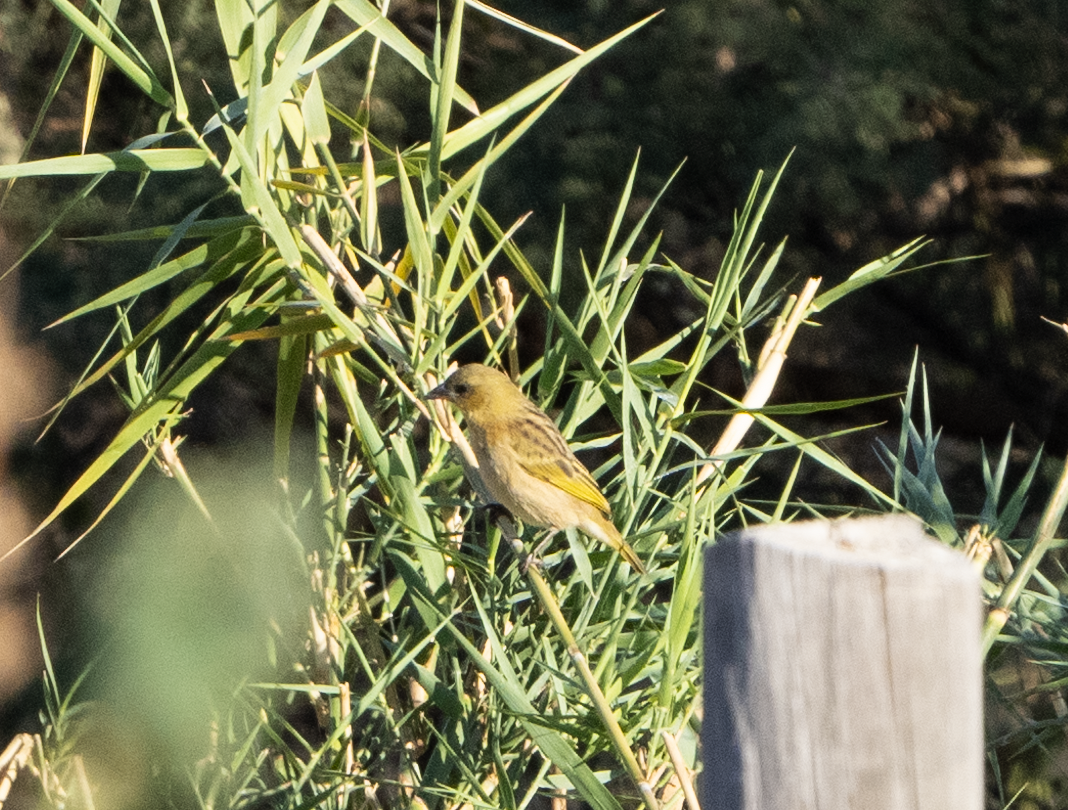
{"points": [[426, 669]]}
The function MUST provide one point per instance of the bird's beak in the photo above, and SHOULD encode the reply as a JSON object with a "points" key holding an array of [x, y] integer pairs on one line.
{"points": [[437, 393]]}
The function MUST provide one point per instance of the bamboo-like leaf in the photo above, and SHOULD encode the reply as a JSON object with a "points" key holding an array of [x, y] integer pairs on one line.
{"points": [[109, 8], [313, 107], [617, 220], [870, 273], [292, 355], [259, 39], [824, 458], [46, 105], [293, 49], [178, 159], [221, 270], [752, 308], [234, 17], [736, 259], [403, 659], [156, 411], [504, 680], [554, 354], [367, 15], [492, 119], [441, 98], [685, 597], [292, 326], [612, 323], [181, 109], [478, 273], [579, 349], [422, 250], [119, 494], [791, 409], [201, 229], [369, 236], [264, 207], [462, 186], [71, 204], [141, 77], [413, 511], [520, 25], [323, 57], [372, 445], [235, 245]]}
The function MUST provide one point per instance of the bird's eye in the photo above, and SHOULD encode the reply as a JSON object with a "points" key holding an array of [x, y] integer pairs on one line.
{"points": [[462, 388]]}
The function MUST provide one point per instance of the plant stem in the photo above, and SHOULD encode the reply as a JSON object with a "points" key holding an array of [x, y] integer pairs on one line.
{"points": [[593, 689]]}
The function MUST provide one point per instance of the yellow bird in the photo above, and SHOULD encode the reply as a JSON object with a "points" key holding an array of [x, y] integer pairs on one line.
{"points": [[525, 461]]}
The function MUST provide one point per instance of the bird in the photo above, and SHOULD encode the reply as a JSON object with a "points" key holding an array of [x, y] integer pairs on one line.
{"points": [[524, 460]]}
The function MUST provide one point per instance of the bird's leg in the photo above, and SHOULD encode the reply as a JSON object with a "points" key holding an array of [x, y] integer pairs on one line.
{"points": [[495, 511], [534, 558]]}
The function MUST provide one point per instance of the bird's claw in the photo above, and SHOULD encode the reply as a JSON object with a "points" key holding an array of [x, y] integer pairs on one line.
{"points": [[531, 560]]}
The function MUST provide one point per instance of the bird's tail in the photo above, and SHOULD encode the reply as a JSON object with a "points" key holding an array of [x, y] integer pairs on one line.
{"points": [[605, 531], [630, 556]]}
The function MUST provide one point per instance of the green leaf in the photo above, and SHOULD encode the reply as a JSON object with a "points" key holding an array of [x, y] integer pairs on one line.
{"points": [[825, 459], [141, 77], [293, 48], [313, 108], [108, 10], [489, 121], [870, 273], [552, 744], [233, 245], [791, 409], [201, 229], [292, 356], [167, 404], [264, 207], [178, 159], [441, 97], [366, 14]]}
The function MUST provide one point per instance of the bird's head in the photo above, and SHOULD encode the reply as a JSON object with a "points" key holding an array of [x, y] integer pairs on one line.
{"points": [[478, 391]]}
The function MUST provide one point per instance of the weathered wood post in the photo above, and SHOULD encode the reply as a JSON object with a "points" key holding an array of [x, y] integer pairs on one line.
{"points": [[842, 670]]}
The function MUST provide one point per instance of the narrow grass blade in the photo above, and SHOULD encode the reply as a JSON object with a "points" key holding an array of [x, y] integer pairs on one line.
{"points": [[292, 356], [870, 273], [109, 8], [264, 207], [178, 159], [142, 78], [181, 109], [487, 123], [441, 98], [233, 246], [293, 48], [366, 14]]}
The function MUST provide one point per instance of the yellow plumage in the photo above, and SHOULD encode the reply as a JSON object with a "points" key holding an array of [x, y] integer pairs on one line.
{"points": [[525, 461]]}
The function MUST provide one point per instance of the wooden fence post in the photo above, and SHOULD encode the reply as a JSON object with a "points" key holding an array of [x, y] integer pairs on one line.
{"points": [[842, 669]]}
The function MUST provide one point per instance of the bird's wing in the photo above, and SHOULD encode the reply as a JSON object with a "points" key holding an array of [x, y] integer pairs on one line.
{"points": [[569, 475], [546, 456]]}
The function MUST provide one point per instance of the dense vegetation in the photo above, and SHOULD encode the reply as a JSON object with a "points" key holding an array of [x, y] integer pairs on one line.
{"points": [[335, 211]]}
